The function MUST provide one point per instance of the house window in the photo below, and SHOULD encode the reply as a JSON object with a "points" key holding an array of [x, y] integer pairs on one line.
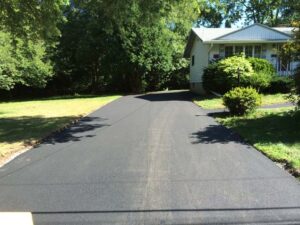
{"points": [[216, 56], [228, 51], [238, 50], [257, 51], [264, 51], [222, 51], [193, 60], [248, 51]]}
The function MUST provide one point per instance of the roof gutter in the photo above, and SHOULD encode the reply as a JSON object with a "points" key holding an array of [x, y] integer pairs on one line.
{"points": [[245, 41]]}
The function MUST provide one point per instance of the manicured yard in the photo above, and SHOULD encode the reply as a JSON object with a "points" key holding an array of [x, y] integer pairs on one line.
{"points": [[23, 123], [212, 102], [275, 132]]}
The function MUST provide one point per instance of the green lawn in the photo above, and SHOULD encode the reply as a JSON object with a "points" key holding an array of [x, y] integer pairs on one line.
{"points": [[212, 102], [23, 123], [275, 132]]}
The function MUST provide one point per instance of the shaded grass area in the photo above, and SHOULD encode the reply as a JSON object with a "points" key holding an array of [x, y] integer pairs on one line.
{"points": [[275, 132], [24, 123], [213, 102]]}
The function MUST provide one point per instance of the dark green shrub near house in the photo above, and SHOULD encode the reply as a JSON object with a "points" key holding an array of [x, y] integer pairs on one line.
{"points": [[214, 79], [297, 85], [280, 84], [263, 73], [241, 100]]}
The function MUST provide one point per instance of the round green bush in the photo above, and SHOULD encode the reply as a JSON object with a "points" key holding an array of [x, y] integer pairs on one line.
{"points": [[227, 73], [236, 67], [242, 101], [264, 71]]}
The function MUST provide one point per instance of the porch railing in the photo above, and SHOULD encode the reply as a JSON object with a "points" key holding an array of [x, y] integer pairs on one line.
{"points": [[286, 70]]}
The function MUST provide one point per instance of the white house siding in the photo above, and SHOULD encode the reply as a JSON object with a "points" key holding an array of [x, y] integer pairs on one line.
{"points": [[200, 53], [255, 32], [214, 50]]}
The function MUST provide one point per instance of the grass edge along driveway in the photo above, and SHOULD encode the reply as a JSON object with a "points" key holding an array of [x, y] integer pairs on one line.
{"points": [[274, 132], [213, 102], [24, 123]]}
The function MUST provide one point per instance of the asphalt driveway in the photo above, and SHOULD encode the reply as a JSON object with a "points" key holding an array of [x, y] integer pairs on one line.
{"points": [[149, 159]]}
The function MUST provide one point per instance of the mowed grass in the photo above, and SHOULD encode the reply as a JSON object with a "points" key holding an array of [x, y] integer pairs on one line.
{"points": [[23, 123], [213, 102], [275, 132]]}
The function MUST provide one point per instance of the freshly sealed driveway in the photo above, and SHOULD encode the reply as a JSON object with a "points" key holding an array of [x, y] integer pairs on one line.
{"points": [[149, 159]]}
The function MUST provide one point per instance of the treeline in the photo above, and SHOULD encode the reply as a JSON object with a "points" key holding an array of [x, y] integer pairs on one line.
{"points": [[132, 47], [53, 47]]}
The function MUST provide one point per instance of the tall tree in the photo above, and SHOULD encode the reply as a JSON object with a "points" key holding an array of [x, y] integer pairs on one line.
{"points": [[31, 18], [215, 13], [139, 43], [270, 12]]}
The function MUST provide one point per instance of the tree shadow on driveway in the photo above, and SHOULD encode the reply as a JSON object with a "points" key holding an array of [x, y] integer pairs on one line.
{"points": [[84, 128], [28, 129], [168, 96], [215, 134]]}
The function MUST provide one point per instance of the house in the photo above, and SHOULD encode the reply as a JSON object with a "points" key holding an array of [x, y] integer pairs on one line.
{"points": [[208, 44]]}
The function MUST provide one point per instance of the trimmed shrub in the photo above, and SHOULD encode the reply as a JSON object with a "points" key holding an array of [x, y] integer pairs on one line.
{"points": [[237, 70], [228, 73], [280, 84], [242, 101], [264, 71]]}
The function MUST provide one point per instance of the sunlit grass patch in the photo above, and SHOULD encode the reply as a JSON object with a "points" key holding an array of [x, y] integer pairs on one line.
{"points": [[275, 132], [23, 123]]}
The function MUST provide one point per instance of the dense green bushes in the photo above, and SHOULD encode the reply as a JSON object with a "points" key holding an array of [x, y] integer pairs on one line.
{"points": [[263, 73], [297, 85], [23, 62], [236, 71], [241, 101], [279, 84], [212, 79]]}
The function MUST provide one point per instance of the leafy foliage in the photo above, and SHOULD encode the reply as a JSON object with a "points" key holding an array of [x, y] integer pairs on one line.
{"points": [[214, 79], [213, 13], [291, 52], [269, 12], [236, 71], [242, 101], [227, 73], [122, 45], [23, 63], [236, 67], [264, 71], [280, 84], [135, 49], [297, 87], [31, 18]]}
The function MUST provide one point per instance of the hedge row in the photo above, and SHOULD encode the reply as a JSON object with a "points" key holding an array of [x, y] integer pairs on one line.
{"points": [[239, 71]]}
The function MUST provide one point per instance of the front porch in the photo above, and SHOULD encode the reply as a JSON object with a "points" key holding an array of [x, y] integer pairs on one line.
{"points": [[268, 51]]}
